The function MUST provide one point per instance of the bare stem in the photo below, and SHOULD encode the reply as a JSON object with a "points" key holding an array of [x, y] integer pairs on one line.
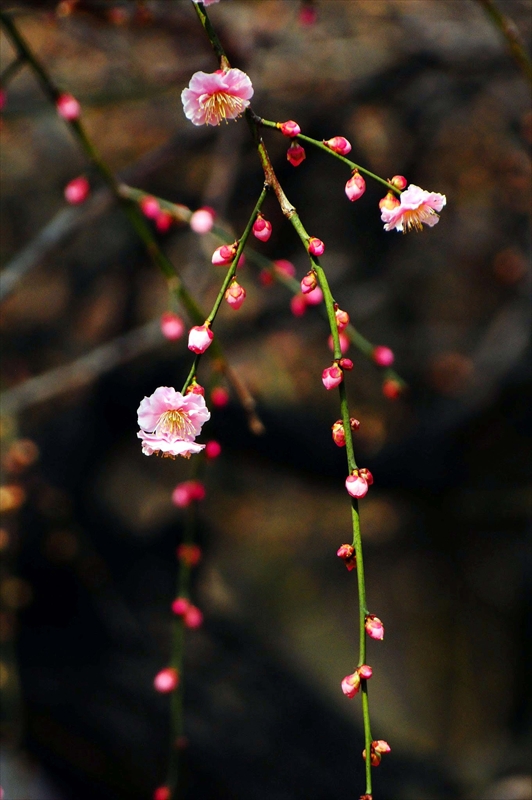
{"points": [[509, 30]]}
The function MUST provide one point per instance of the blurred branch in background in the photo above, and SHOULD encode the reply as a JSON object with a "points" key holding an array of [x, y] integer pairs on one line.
{"points": [[510, 31]]}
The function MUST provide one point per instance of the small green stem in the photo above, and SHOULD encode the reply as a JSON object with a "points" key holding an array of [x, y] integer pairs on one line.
{"points": [[212, 36]]}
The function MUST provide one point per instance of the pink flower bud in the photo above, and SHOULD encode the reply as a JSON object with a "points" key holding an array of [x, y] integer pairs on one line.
{"points": [[365, 672], [188, 492], [68, 107], [315, 297], [316, 246], [355, 186], [212, 450], [166, 680], [284, 267], [390, 201], [196, 388], [342, 319], [241, 261], [235, 295], [296, 154], [308, 15], [356, 486], [193, 617], [391, 389], [344, 343], [346, 363], [162, 793], [338, 144], [380, 746], [219, 396], [399, 181], [265, 277], [298, 305], [262, 229], [383, 356], [172, 326], [374, 627], [366, 474], [309, 282], [202, 220], [189, 554], [289, 128], [180, 606], [332, 377], [224, 255], [163, 221], [375, 758], [150, 207], [351, 684], [347, 553], [77, 190], [338, 435], [200, 338]]}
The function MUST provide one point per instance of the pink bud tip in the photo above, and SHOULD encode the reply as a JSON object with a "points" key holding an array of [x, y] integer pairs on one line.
{"points": [[150, 207], [374, 627], [344, 343], [347, 553], [366, 474], [68, 107], [365, 672], [296, 154], [355, 186], [189, 554], [202, 220], [289, 128], [309, 282], [356, 486], [316, 246], [193, 617], [351, 684], [77, 190], [391, 389], [399, 181], [338, 144], [389, 202], [166, 680], [338, 435], [162, 793], [200, 338], [212, 449], [332, 377], [346, 363], [262, 229], [284, 267], [196, 388], [298, 305], [235, 295], [342, 319], [380, 746], [315, 297], [383, 356], [188, 492], [172, 326], [224, 255], [163, 221], [180, 606], [219, 396]]}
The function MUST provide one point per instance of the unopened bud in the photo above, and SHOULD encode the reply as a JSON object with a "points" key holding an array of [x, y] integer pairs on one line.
{"points": [[356, 486], [332, 377], [164, 221], [200, 338], [391, 389], [172, 326], [389, 202], [189, 554], [366, 474], [374, 627], [399, 181], [309, 282], [338, 435], [212, 450], [296, 154], [339, 144], [68, 107], [355, 186], [365, 672], [342, 319], [150, 207], [315, 246], [202, 220], [196, 388], [285, 268], [344, 342], [166, 680], [219, 396], [289, 128], [380, 746], [262, 229], [162, 793], [193, 617], [77, 190], [235, 295], [298, 305], [224, 255], [346, 363], [347, 553], [351, 684], [383, 356]]}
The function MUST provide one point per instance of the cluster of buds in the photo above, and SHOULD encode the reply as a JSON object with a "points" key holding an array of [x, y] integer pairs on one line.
{"points": [[235, 295], [378, 748], [347, 553], [200, 338], [358, 482], [351, 683], [338, 431], [192, 616], [262, 229], [188, 492]]}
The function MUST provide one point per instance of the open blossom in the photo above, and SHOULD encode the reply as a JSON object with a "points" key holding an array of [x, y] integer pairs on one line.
{"points": [[212, 97], [416, 208], [169, 422]]}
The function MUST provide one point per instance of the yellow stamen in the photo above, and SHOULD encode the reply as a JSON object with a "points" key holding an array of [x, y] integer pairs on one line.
{"points": [[218, 104], [175, 424], [413, 220]]}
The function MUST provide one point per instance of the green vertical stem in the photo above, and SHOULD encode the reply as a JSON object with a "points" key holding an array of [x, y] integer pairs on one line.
{"points": [[212, 35]]}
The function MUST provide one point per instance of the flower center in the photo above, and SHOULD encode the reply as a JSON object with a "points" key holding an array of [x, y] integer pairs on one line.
{"points": [[218, 104], [175, 425], [413, 219]]}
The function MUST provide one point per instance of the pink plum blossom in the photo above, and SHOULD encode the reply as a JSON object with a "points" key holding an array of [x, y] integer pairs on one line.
{"points": [[68, 107], [416, 207], [235, 295], [355, 186], [356, 486], [172, 326], [77, 190], [200, 338], [166, 680], [202, 220], [212, 97], [332, 377], [339, 144], [169, 422]]}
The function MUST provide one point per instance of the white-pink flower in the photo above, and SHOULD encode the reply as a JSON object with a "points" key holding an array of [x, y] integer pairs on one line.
{"points": [[212, 97], [169, 422], [417, 208]]}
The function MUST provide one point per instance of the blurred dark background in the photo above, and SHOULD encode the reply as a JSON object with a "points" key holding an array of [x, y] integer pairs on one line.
{"points": [[424, 88]]}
